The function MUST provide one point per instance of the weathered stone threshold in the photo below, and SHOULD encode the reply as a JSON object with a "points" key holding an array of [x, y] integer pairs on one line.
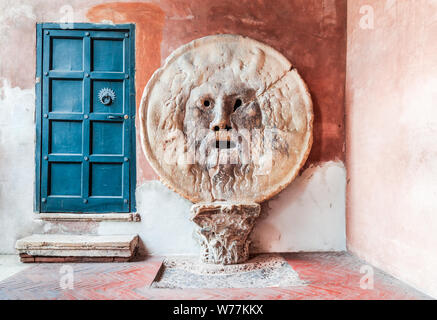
{"points": [[42, 259], [91, 217], [77, 248]]}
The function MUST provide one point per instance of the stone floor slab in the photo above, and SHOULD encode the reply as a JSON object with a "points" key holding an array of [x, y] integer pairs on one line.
{"points": [[262, 271]]}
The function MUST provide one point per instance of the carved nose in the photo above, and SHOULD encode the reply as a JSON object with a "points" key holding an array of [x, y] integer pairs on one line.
{"points": [[221, 122], [217, 128], [222, 116]]}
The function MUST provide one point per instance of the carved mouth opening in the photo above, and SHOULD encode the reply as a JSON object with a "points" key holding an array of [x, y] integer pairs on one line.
{"points": [[224, 144]]}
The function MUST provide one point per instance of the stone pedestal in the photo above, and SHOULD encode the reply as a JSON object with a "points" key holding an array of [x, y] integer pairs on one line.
{"points": [[223, 230]]}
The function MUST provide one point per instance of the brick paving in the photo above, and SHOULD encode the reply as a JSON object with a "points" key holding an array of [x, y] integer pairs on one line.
{"points": [[327, 276]]}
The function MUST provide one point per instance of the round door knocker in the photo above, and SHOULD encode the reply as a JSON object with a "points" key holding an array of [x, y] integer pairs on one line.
{"points": [[106, 96]]}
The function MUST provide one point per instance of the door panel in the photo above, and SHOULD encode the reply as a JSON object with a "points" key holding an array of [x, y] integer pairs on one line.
{"points": [[65, 137], [66, 95], [107, 55], [106, 179], [86, 141], [67, 54], [107, 138], [59, 173]]}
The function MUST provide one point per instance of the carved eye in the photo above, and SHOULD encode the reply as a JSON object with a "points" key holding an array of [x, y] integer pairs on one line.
{"points": [[206, 103], [237, 104]]}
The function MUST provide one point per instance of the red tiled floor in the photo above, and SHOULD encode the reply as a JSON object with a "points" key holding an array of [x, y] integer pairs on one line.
{"points": [[337, 276], [328, 276]]}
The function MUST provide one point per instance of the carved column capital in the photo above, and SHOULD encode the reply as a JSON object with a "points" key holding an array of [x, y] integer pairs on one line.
{"points": [[223, 229]]}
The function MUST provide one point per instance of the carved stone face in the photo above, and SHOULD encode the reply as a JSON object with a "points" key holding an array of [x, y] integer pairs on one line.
{"points": [[223, 103], [228, 119], [216, 114]]}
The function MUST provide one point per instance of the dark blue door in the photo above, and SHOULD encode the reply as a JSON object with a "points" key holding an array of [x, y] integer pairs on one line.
{"points": [[87, 152]]}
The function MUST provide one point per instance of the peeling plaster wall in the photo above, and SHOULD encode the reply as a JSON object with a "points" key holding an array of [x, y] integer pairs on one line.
{"points": [[308, 215], [17, 166], [392, 138]]}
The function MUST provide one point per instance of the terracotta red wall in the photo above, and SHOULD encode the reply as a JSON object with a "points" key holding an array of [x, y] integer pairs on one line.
{"points": [[310, 33], [391, 94]]}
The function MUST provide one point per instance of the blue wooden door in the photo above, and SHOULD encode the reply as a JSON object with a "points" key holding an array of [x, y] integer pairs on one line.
{"points": [[87, 121]]}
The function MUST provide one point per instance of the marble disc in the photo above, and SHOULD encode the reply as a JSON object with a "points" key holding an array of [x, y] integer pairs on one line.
{"points": [[226, 118]]}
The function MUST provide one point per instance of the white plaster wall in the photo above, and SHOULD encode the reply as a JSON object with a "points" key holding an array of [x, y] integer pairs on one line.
{"points": [[309, 215], [17, 165], [17, 137], [164, 227]]}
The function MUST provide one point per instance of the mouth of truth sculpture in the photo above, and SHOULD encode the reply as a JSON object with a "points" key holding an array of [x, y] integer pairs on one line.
{"points": [[226, 123]]}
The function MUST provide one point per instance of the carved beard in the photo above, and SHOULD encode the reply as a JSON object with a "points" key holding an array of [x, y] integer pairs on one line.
{"points": [[225, 179], [219, 173]]}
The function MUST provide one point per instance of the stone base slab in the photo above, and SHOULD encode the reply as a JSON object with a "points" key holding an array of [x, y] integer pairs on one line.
{"points": [[25, 258], [261, 271], [88, 217], [77, 248], [223, 230]]}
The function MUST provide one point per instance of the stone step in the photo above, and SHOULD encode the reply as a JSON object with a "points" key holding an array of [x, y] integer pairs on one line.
{"points": [[77, 248]]}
